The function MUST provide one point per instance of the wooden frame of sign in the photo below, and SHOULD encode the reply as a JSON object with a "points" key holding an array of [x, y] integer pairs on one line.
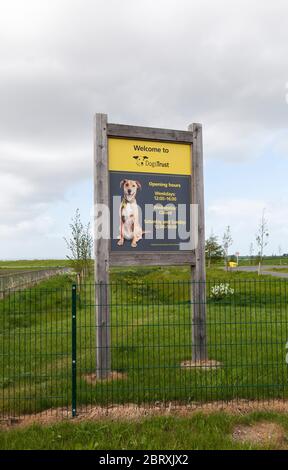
{"points": [[105, 257]]}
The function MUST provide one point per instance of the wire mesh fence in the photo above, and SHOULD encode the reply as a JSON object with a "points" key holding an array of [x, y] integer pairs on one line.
{"points": [[48, 346], [35, 351]]}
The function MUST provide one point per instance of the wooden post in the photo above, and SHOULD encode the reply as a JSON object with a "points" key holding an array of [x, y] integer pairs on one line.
{"points": [[101, 196], [198, 272]]}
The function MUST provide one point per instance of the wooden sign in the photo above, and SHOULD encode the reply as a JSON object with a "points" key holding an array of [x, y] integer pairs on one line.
{"points": [[148, 187]]}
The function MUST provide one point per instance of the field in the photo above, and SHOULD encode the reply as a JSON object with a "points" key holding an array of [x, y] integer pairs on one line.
{"points": [[29, 264], [33, 264], [23, 266], [151, 336], [267, 261], [277, 260]]}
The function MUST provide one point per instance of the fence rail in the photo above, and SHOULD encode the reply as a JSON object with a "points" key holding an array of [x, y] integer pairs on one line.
{"points": [[48, 346]]}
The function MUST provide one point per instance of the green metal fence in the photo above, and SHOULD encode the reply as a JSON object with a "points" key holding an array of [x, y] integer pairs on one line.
{"points": [[35, 351], [48, 346]]}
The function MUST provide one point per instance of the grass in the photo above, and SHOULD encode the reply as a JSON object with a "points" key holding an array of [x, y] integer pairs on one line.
{"points": [[151, 335], [197, 432], [247, 261], [272, 260], [277, 260], [280, 270]]}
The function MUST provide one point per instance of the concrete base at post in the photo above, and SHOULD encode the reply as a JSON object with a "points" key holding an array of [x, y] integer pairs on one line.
{"points": [[206, 364]]}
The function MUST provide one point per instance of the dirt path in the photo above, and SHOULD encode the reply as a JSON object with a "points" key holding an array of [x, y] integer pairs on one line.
{"points": [[132, 412]]}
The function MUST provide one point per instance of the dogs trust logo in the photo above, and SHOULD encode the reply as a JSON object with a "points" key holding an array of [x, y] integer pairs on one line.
{"points": [[140, 161]]}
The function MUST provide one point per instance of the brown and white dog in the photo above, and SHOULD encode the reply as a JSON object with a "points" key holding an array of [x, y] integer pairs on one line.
{"points": [[130, 228]]}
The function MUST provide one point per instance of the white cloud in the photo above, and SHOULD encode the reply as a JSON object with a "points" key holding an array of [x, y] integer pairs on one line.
{"points": [[164, 63], [40, 225]]}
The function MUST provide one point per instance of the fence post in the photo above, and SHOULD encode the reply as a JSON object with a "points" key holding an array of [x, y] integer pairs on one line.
{"points": [[101, 198], [74, 350], [198, 294]]}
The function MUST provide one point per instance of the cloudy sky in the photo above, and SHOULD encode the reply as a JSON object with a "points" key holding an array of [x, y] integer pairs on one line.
{"points": [[163, 63]]}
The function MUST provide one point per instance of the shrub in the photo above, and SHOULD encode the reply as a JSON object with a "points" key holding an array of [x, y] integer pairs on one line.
{"points": [[221, 291]]}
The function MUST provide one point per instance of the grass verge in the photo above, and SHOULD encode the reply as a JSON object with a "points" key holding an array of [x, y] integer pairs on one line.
{"points": [[198, 432]]}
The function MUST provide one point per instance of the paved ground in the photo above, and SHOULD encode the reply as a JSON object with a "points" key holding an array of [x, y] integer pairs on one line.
{"points": [[265, 270]]}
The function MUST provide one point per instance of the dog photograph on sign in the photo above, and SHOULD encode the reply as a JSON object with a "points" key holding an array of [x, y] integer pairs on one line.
{"points": [[130, 224]]}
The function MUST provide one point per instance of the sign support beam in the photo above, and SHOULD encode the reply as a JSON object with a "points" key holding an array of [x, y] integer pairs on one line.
{"points": [[101, 198], [198, 271]]}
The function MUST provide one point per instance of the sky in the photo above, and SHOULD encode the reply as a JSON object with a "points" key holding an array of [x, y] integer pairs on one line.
{"points": [[162, 63]]}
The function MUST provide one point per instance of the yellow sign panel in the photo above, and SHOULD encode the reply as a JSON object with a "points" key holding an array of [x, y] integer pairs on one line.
{"points": [[149, 156]]}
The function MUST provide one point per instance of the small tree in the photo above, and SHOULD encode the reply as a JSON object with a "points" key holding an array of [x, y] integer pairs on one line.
{"points": [[86, 249], [80, 247], [226, 243], [280, 253], [251, 252], [262, 239], [213, 251]]}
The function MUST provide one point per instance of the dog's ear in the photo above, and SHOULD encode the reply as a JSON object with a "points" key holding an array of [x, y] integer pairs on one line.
{"points": [[138, 185], [136, 157], [122, 182]]}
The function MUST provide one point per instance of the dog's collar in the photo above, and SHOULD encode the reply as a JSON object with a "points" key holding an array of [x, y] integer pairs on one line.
{"points": [[125, 201]]}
